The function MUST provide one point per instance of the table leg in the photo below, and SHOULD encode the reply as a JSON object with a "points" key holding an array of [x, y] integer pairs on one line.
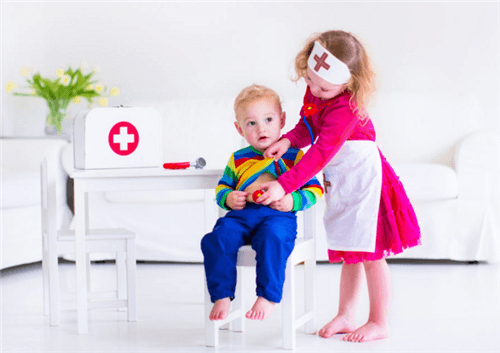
{"points": [[80, 258]]}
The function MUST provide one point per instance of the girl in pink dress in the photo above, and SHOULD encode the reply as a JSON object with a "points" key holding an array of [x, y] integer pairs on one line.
{"points": [[368, 215]]}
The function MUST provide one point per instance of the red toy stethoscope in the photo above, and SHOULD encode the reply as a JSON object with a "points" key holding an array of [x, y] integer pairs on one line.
{"points": [[198, 164]]}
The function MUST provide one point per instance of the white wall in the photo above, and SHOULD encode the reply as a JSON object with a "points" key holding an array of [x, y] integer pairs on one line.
{"points": [[207, 50]]}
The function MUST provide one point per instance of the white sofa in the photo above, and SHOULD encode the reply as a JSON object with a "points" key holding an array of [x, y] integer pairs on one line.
{"points": [[455, 198], [20, 212]]}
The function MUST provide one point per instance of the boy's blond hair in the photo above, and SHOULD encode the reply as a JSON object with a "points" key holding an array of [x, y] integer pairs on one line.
{"points": [[348, 49], [253, 93]]}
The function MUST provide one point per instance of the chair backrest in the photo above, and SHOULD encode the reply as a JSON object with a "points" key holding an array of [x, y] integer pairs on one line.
{"points": [[309, 222], [48, 196]]}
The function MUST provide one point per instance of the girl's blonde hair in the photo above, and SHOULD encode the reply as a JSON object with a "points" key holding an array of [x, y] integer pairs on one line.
{"points": [[252, 93], [348, 49]]}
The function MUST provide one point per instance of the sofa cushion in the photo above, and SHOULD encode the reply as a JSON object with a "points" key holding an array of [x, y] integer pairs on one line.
{"points": [[427, 181], [20, 188]]}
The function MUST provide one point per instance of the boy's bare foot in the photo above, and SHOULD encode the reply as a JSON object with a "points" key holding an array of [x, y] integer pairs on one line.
{"points": [[220, 309], [339, 324], [368, 332], [261, 309]]}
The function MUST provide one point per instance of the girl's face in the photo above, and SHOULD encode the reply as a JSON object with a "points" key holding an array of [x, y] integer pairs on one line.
{"points": [[321, 88], [260, 123]]}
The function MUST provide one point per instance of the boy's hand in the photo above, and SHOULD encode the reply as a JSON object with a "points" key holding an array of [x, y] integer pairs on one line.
{"points": [[277, 149], [236, 200], [283, 205], [273, 191]]}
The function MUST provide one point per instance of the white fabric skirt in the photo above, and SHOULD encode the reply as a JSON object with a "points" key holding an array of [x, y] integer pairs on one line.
{"points": [[353, 183]]}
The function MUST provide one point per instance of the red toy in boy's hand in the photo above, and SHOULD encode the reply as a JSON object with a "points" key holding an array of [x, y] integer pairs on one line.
{"points": [[257, 194]]}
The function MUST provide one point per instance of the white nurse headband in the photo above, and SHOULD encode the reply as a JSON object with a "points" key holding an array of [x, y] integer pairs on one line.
{"points": [[327, 66]]}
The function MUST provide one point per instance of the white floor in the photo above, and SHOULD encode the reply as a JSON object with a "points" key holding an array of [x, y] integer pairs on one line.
{"points": [[435, 308]]}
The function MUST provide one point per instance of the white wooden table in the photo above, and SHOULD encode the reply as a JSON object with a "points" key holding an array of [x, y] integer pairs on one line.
{"points": [[86, 181]]}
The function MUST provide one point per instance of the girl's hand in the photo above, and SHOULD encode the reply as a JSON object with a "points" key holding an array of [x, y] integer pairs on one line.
{"points": [[277, 149], [273, 191], [283, 205], [236, 200]]}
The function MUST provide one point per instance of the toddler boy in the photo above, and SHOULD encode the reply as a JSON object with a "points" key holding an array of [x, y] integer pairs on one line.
{"points": [[271, 230]]}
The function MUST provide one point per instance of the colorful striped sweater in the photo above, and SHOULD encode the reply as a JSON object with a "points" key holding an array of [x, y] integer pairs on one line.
{"points": [[247, 164]]}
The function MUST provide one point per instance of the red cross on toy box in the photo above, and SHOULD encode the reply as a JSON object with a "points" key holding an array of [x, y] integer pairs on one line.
{"points": [[121, 137]]}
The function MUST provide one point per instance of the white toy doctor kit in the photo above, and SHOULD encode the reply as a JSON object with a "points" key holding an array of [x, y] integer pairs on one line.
{"points": [[121, 137]]}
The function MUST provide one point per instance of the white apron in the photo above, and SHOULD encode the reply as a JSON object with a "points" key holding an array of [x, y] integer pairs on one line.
{"points": [[353, 182]]}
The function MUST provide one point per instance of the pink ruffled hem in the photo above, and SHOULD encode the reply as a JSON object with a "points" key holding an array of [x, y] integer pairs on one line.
{"points": [[397, 227], [352, 257]]}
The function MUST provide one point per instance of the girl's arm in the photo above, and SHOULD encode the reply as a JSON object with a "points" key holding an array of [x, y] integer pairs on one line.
{"points": [[299, 136], [336, 127]]}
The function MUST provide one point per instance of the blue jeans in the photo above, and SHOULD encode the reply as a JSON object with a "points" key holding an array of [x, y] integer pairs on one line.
{"points": [[271, 234]]}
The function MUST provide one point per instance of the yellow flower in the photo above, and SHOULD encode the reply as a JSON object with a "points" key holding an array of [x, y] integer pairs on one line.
{"points": [[24, 72], [77, 100], [90, 87], [99, 88], [65, 80], [60, 73], [33, 92], [103, 101], [10, 86], [114, 91]]}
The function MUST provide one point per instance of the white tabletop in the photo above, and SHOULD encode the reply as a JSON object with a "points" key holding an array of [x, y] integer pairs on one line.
{"points": [[141, 172], [145, 179]]}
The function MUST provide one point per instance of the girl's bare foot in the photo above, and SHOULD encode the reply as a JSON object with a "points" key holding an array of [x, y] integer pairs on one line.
{"points": [[261, 309], [368, 332], [220, 309], [339, 324]]}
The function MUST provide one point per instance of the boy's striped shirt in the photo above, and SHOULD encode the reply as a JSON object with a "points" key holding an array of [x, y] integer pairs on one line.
{"points": [[247, 164]]}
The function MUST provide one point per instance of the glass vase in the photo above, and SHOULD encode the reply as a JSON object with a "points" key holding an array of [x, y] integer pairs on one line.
{"points": [[57, 113]]}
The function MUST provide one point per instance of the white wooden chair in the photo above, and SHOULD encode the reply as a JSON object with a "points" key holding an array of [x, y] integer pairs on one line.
{"points": [[57, 242], [303, 252]]}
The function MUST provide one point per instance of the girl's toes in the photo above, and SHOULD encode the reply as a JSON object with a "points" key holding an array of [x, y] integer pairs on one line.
{"points": [[350, 337]]}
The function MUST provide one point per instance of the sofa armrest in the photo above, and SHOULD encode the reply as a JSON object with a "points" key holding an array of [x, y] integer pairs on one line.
{"points": [[476, 162], [24, 155]]}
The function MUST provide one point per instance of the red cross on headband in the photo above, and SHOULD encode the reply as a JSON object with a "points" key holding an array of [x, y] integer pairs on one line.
{"points": [[327, 66]]}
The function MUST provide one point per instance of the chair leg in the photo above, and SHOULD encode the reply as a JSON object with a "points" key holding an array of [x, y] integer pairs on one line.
{"points": [[239, 302], [89, 281], [310, 293], [131, 281], [121, 277], [45, 273], [211, 329], [289, 334], [53, 290]]}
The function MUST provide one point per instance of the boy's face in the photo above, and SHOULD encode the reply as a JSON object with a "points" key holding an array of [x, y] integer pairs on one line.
{"points": [[260, 123]]}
